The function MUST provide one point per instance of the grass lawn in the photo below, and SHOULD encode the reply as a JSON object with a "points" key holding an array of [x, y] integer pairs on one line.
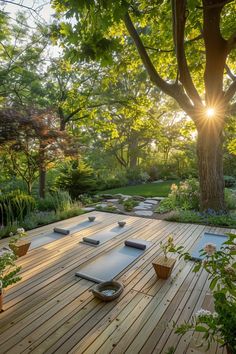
{"points": [[161, 189]]}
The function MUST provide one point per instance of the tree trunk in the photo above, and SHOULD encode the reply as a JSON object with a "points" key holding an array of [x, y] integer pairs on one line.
{"points": [[42, 170], [210, 166], [62, 119], [133, 152], [133, 161], [29, 187], [42, 182]]}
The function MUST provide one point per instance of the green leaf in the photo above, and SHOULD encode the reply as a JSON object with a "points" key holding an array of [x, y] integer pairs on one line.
{"points": [[200, 329]]}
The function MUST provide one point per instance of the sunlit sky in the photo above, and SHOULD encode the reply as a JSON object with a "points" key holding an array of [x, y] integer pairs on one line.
{"points": [[41, 9]]}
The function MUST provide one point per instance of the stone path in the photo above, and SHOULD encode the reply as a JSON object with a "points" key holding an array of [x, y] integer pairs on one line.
{"points": [[146, 206]]}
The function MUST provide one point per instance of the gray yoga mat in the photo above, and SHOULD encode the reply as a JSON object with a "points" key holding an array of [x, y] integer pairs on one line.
{"points": [[109, 265], [49, 237], [206, 238], [103, 236]]}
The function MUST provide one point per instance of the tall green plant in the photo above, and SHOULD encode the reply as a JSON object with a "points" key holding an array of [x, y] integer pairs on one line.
{"points": [[14, 206]]}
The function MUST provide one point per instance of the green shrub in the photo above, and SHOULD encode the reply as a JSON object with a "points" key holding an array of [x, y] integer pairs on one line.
{"points": [[85, 199], [153, 172], [46, 217], [112, 182], [14, 206], [129, 204], [74, 210], [207, 218], [186, 195], [109, 208], [13, 185], [165, 205], [6, 230], [136, 176], [77, 179], [59, 200], [230, 199], [229, 181]]}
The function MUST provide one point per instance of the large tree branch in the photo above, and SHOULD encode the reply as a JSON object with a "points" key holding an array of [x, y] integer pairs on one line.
{"points": [[173, 90], [232, 109], [229, 94], [229, 73], [179, 19], [216, 51]]}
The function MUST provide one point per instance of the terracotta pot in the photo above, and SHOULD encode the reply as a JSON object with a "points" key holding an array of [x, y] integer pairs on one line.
{"points": [[20, 248], [163, 267]]}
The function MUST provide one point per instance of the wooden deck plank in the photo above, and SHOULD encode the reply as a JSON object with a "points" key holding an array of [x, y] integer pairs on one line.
{"points": [[52, 311]]}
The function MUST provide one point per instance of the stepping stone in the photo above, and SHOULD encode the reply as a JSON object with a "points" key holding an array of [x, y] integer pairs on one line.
{"points": [[141, 208], [113, 200], [123, 196], [144, 213], [138, 198], [158, 198], [145, 205], [151, 201], [102, 205], [88, 209]]}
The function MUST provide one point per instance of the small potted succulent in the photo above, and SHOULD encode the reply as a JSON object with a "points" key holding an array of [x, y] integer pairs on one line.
{"points": [[18, 245], [163, 265], [8, 271]]}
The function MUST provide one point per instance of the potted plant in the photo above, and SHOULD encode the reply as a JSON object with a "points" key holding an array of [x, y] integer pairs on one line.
{"points": [[18, 245], [8, 271], [163, 265]]}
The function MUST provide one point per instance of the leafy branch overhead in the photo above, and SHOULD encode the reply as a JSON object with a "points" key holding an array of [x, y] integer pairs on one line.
{"points": [[196, 42]]}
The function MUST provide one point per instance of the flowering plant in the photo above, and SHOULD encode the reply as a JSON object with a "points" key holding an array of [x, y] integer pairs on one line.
{"points": [[186, 195], [167, 247], [20, 232], [219, 326], [8, 269]]}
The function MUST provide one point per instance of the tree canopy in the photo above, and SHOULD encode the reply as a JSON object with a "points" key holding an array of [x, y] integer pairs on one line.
{"points": [[188, 51]]}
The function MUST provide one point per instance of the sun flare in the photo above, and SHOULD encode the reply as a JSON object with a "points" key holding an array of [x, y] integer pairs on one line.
{"points": [[210, 112]]}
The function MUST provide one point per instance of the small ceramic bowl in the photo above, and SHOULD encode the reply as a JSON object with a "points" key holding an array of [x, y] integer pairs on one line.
{"points": [[121, 223], [92, 218], [108, 291]]}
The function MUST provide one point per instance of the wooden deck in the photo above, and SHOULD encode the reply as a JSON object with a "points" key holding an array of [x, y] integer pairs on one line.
{"points": [[52, 311]]}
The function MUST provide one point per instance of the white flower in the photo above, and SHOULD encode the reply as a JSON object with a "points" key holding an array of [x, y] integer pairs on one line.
{"points": [[203, 312], [20, 230], [210, 248]]}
